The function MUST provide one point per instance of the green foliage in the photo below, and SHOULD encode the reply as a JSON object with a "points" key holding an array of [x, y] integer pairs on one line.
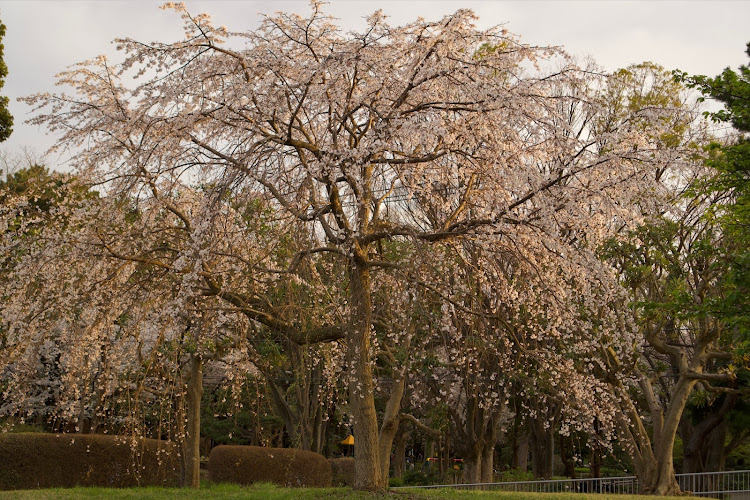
{"points": [[516, 475], [44, 189], [730, 88], [643, 86], [732, 163], [659, 262], [395, 482], [6, 120], [226, 419], [426, 477], [739, 459]]}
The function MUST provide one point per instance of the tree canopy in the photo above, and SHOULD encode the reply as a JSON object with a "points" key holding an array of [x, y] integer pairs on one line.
{"points": [[6, 120], [732, 162], [427, 199]]}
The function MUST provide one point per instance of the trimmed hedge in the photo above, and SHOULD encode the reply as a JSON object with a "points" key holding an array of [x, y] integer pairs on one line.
{"points": [[282, 466], [39, 460], [343, 471]]}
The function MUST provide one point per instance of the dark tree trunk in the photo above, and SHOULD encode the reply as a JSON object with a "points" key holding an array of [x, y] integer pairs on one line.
{"points": [[522, 451], [542, 450], [596, 461], [566, 452], [191, 452], [399, 450], [699, 453]]}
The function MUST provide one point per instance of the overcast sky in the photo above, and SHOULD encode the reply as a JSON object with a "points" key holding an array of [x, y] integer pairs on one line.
{"points": [[700, 37]]}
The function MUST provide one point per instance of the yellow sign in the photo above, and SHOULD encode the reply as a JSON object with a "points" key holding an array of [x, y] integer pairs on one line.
{"points": [[349, 440]]}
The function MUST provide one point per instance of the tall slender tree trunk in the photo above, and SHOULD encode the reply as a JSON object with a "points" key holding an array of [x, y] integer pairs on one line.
{"points": [[488, 450], [522, 451], [319, 431], [191, 453], [368, 474]]}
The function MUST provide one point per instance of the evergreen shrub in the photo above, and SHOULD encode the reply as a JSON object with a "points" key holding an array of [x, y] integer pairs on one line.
{"points": [[282, 466], [41, 460]]}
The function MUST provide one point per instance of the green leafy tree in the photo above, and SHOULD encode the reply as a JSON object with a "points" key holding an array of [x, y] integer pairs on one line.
{"points": [[732, 162], [6, 120]]}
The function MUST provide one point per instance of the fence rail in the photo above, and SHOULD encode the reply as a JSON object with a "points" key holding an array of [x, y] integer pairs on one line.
{"points": [[715, 484], [706, 484]]}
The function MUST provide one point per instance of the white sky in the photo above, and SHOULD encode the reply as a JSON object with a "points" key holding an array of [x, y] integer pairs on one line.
{"points": [[44, 37]]}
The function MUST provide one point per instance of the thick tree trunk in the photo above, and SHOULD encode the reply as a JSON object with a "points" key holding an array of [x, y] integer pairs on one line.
{"points": [[476, 435], [488, 462], [652, 458], [368, 475], [542, 450], [282, 407], [664, 481], [472, 466], [658, 478], [191, 452]]}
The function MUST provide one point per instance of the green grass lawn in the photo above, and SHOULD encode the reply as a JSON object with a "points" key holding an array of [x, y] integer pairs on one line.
{"points": [[271, 492]]}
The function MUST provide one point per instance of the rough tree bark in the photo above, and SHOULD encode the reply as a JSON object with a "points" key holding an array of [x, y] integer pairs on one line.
{"points": [[488, 462], [652, 456], [368, 474]]}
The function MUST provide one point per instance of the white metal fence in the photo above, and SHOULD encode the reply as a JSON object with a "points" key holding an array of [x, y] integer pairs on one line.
{"points": [[707, 484], [715, 484]]}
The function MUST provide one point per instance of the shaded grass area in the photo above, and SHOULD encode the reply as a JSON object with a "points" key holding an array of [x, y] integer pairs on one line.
{"points": [[271, 492]]}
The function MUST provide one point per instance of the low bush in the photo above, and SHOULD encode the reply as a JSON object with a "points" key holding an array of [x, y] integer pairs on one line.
{"points": [[396, 482], [513, 475], [38, 460], [282, 466], [424, 477], [342, 470]]}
